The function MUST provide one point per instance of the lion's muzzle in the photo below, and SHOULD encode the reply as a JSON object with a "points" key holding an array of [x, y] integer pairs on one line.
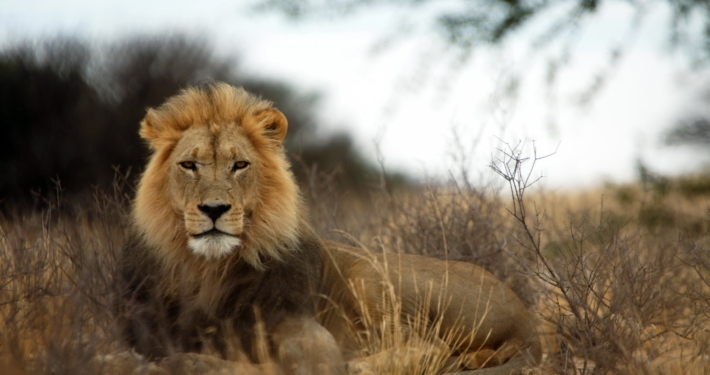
{"points": [[215, 229]]}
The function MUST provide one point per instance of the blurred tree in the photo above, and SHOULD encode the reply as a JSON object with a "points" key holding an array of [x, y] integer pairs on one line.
{"points": [[692, 129], [43, 101], [690, 132], [468, 23], [70, 112]]}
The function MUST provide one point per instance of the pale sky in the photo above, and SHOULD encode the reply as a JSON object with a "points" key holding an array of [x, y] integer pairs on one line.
{"points": [[406, 97]]}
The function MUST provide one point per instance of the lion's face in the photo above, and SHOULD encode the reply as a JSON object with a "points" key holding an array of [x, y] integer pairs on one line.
{"points": [[218, 181], [213, 184]]}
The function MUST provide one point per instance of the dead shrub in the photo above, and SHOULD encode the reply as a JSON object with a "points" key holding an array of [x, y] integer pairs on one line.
{"points": [[615, 295], [56, 282]]}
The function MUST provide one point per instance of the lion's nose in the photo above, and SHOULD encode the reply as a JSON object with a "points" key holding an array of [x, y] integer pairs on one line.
{"points": [[214, 212]]}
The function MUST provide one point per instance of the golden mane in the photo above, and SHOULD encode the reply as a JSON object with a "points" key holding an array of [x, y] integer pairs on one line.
{"points": [[276, 222]]}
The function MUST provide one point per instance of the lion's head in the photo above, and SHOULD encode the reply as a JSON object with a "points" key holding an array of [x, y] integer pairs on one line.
{"points": [[218, 183]]}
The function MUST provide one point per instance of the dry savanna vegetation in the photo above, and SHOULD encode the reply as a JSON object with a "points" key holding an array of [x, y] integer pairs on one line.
{"points": [[619, 277]]}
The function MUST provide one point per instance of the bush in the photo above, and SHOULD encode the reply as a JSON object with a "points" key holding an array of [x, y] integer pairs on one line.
{"points": [[71, 111]]}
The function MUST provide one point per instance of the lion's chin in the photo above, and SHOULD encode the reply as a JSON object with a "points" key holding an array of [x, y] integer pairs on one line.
{"points": [[214, 246]]}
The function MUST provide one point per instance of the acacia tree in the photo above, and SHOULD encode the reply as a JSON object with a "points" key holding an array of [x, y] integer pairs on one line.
{"points": [[692, 132], [470, 23]]}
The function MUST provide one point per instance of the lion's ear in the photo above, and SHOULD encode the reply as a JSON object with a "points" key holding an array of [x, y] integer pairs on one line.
{"points": [[274, 124], [149, 128], [156, 131]]}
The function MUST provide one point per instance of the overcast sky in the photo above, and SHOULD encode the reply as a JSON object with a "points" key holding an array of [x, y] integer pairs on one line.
{"points": [[412, 96]]}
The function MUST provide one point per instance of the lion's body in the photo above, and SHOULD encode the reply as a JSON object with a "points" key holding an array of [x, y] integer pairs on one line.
{"points": [[223, 260], [455, 304]]}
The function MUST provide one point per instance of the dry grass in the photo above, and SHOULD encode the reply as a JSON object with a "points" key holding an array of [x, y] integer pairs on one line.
{"points": [[619, 277], [56, 283], [624, 286]]}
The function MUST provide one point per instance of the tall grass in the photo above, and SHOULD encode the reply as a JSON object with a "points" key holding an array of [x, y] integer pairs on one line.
{"points": [[56, 279], [619, 278]]}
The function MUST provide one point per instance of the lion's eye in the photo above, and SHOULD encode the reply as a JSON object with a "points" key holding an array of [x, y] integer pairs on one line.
{"points": [[189, 165], [240, 165]]}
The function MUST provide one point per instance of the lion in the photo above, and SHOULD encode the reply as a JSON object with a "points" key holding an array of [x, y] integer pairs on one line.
{"points": [[222, 261]]}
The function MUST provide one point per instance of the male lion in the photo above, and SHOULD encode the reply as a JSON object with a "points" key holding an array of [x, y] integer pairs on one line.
{"points": [[222, 261]]}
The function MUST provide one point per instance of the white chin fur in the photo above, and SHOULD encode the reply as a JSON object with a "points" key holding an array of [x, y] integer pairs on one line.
{"points": [[213, 247]]}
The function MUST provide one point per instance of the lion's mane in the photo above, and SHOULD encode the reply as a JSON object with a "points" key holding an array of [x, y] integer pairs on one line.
{"points": [[277, 266]]}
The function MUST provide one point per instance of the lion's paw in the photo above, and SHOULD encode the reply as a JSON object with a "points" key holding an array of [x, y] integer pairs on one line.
{"points": [[358, 368], [128, 362], [197, 364]]}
